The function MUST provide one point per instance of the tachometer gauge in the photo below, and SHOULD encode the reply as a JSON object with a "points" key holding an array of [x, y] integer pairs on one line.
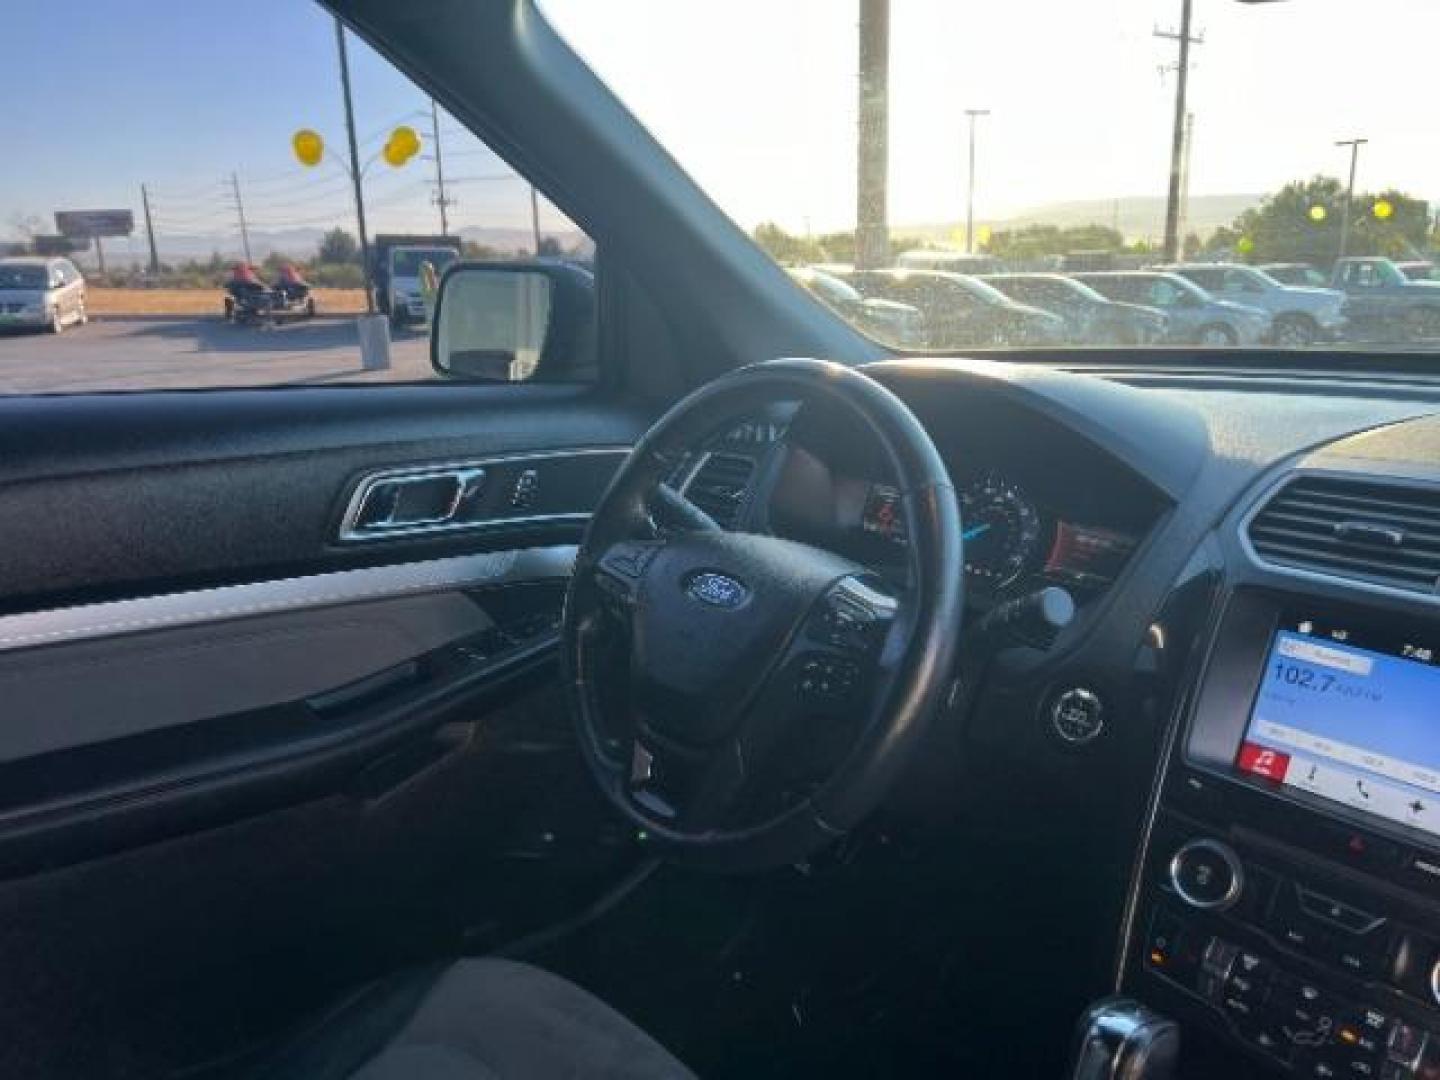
{"points": [[1002, 531]]}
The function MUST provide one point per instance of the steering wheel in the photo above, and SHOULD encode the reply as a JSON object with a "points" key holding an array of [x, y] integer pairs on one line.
{"points": [[745, 699]]}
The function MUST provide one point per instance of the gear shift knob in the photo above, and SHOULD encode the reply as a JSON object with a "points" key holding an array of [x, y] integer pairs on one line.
{"points": [[1120, 1039]]}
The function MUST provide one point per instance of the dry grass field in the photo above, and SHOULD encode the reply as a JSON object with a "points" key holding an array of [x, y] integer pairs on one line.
{"points": [[100, 301]]}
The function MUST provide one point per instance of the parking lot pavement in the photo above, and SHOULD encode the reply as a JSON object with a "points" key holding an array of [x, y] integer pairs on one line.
{"points": [[176, 353]]}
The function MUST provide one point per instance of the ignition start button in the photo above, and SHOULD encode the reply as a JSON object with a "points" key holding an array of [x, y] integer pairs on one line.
{"points": [[1078, 715]]}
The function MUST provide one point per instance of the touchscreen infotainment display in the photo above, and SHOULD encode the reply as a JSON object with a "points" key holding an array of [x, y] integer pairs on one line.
{"points": [[1353, 717]]}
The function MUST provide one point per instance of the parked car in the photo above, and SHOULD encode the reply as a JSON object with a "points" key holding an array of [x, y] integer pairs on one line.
{"points": [[1419, 270], [961, 310], [41, 292], [892, 322], [1384, 304], [1090, 319], [1196, 317], [1296, 274], [1303, 314]]}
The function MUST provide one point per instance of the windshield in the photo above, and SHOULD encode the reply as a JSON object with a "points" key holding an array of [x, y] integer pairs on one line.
{"points": [[1048, 136], [22, 277], [407, 262]]}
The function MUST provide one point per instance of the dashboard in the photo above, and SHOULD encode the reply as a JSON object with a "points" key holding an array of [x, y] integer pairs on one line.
{"points": [[1253, 797], [1036, 511]]}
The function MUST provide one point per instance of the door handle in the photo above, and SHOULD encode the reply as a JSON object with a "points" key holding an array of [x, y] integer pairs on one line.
{"points": [[420, 501]]}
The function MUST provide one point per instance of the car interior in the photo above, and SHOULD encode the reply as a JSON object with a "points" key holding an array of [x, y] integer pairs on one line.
{"points": [[736, 696]]}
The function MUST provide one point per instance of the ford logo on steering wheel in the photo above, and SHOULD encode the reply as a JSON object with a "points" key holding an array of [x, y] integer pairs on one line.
{"points": [[717, 590]]}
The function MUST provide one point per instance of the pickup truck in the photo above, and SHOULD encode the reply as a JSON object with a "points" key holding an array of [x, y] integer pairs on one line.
{"points": [[397, 261], [1383, 305], [1303, 315]]}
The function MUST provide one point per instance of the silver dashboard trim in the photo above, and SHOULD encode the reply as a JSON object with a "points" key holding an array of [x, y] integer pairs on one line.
{"points": [[91, 622], [351, 533]]}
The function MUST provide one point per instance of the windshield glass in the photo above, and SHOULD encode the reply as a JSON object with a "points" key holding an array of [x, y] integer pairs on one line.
{"points": [[22, 277], [1047, 136], [407, 262]]}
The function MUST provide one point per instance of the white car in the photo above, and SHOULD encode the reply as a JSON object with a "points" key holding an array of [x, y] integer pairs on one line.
{"points": [[41, 292]]}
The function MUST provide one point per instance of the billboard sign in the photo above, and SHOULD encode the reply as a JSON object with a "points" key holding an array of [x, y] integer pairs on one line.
{"points": [[89, 223], [59, 245]]}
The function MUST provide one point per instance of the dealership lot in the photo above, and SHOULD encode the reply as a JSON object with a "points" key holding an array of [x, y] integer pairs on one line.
{"points": [[180, 353]]}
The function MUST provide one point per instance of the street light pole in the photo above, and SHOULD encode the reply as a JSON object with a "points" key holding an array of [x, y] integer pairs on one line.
{"points": [[1354, 145], [970, 193], [355, 168]]}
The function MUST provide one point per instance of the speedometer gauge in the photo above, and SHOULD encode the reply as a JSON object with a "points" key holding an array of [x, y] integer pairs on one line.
{"points": [[1002, 531]]}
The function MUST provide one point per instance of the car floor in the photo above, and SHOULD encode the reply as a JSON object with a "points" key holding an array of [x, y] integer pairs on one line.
{"points": [[869, 964]]}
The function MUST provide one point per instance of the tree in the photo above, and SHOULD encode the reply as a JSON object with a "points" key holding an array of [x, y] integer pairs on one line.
{"points": [[1301, 223], [473, 249], [785, 248], [338, 246], [1037, 241]]}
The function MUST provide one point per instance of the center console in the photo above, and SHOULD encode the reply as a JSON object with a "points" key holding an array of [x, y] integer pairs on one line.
{"points": [[1288, 901]]}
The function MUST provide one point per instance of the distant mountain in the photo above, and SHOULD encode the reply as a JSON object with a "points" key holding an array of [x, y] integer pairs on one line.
{"points": [[1136, 216]]}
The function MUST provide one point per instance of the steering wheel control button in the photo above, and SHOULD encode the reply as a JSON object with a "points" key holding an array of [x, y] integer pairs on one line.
{"points": [[827, 678], [629, 560], [1077, 715], [1207, 874], [852, 616]]}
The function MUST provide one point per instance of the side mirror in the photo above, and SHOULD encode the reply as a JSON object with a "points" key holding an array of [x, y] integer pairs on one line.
{"points": [[512, 321]]}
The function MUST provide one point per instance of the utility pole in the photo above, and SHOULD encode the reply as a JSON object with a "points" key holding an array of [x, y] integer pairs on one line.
{"points": [[970, 192], [240, 211], [440, 200], [872, 231], [355, 167], [535, 218], [1354, 145], [1184, 223], [150, 231], [1177, 141]]}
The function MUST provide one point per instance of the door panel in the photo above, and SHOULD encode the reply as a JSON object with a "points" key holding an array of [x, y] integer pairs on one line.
{"points": [[125, 495], [245, 762]]}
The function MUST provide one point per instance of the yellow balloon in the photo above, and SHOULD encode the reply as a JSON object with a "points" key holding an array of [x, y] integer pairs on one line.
{"points": [[1383, 209], [309, 147], [394, 154], [405, 140], [983, 234], [1317, 213], [1245, 245]]}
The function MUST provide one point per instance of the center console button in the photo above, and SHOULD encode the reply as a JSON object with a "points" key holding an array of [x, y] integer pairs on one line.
{"points": [[1207, 874]]}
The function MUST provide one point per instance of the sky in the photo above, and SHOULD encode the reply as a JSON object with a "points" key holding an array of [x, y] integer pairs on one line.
{"points": [[756, 98], [180, 94]]}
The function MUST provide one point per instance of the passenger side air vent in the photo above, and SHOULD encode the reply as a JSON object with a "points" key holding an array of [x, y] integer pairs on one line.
{"points": [[1377, 533], [719, 486]]}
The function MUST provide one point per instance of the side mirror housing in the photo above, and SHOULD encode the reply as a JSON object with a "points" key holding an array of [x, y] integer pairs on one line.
{"points": [[514, 321]]}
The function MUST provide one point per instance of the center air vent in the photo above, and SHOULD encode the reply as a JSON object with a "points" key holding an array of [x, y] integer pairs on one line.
{"points": [[719, 486], [1377, 533]]}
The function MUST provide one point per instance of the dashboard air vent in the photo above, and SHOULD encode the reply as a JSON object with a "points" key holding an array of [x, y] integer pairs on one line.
{"points": [[719, 486], [1376, 533]]}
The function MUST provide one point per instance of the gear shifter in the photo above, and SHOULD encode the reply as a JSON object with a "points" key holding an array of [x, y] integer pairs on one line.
{"points": [[1120, 1039]]}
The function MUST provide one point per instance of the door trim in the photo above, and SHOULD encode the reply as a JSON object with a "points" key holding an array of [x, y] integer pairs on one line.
{"points": [[89, 622]]}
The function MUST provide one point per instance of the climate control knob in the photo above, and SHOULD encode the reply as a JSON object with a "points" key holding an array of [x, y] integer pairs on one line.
{"points": [[1207, 875]]}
